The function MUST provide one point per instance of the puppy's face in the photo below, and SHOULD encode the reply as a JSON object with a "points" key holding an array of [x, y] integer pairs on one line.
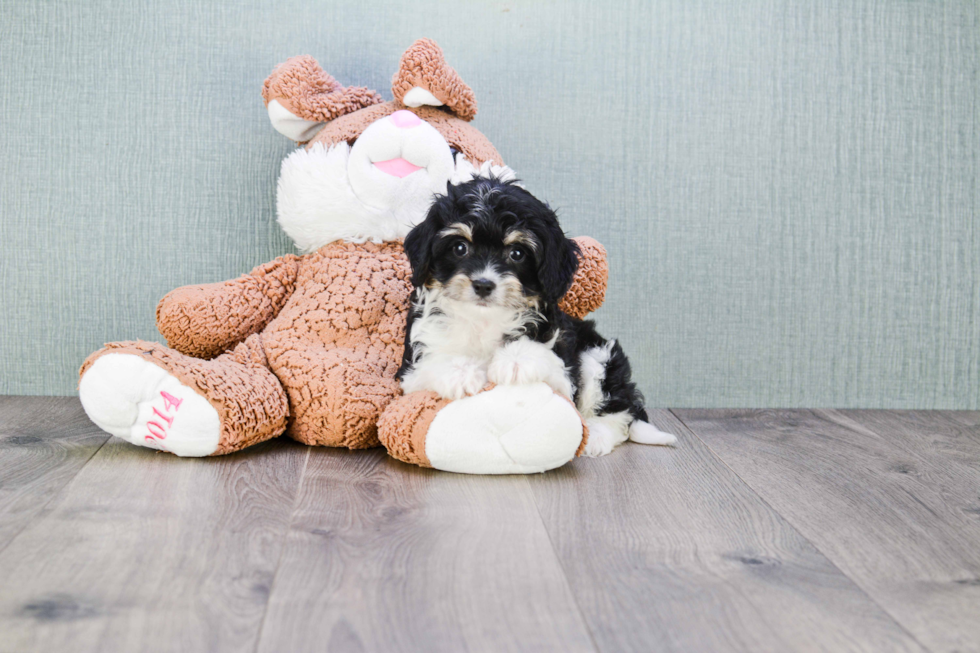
{"points": [[491, 243], [485, 262]]}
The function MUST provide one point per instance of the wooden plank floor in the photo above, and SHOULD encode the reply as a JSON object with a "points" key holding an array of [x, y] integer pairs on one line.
{"points": [[761, 531]]}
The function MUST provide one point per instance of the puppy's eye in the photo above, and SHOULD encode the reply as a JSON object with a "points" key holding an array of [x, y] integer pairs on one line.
{"points": [[460, 249], [516, 254]]}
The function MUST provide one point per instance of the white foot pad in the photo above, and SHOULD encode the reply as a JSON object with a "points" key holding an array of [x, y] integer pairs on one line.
{"points": [[514, 429], [133, 399]]}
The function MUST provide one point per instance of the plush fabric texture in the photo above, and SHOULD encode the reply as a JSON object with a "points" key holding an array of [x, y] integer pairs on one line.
{"points": [[136, 400], [404, 425], [459, 134], [289, 125], [507, 429], [423, 65], [585, 427], [406, 421], [317, 203], [338, 341], [249, 399], [304, 89], [588, 289], [203, 321], [332, 330]]}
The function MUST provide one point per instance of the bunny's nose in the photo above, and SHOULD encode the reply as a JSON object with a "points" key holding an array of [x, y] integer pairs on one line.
{"points": [[405, 119]]}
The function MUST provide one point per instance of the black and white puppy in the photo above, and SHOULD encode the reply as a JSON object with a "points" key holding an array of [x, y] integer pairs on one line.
{"points": [[489, 265]]}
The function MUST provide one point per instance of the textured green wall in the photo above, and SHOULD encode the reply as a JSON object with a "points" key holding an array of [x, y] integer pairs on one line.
{"points": [[788, 190]]}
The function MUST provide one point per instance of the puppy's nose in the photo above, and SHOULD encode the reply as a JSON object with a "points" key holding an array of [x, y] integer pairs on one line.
{"points": [[405, 119], [483, 287]]}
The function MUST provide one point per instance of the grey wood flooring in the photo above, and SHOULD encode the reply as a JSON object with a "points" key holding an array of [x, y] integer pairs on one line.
{"points": [[780, 531]]}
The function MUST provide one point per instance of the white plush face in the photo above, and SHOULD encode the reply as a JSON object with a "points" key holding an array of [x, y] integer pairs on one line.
{"points": [[399, 158], [375, 190]]}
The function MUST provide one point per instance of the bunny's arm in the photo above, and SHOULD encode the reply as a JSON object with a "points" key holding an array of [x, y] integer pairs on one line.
{"points": [[589, 285], [205, 320]]}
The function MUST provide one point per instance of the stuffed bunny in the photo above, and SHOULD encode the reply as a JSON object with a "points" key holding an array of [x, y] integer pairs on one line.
{"points": [[308, 345]]}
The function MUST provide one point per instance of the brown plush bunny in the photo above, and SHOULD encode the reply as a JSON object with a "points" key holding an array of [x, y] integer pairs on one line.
{"points": [[308, 345]]}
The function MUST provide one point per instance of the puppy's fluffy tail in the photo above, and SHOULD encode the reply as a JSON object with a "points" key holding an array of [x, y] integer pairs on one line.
{"points": [[645, 433]]}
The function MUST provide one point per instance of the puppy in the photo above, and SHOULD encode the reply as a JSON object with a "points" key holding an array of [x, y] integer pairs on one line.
{"points": [[489, 265]]}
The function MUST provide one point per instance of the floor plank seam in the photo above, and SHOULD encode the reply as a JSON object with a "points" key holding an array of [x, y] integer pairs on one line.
{"points": [[799, 532], [561, 566], [282, 552], [848, 422], [42, 513]]}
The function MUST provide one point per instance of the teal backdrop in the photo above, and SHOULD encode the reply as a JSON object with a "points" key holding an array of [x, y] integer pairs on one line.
{"points": [[788, 190]]}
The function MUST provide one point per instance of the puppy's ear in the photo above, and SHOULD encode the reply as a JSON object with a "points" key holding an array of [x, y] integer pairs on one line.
{"points": [[420, 240], [557, 261]]}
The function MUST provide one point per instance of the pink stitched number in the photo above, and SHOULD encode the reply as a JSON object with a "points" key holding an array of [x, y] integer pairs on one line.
{"points": [[170, 401], [156, 444], [167, 418], [162, 433]]}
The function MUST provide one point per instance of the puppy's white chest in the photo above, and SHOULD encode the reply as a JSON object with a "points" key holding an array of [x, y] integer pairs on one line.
{"points": [[474, 336]]}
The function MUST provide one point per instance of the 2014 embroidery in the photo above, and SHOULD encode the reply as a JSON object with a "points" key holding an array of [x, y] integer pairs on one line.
{"points": [[158, 430]]}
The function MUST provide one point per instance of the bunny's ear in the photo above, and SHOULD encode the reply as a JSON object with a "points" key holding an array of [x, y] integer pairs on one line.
{"points": [[424, 77], [300, 97]]}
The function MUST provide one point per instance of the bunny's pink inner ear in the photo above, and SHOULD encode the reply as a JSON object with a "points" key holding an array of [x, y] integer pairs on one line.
{"points": [[299, 91], [424, 78]]}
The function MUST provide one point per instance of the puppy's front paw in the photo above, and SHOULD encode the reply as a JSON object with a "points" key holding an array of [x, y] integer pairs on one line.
{"points": [[451, 377], [525, 361], [508, 372], [606, 432], [464, 377], [601, 440]]}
